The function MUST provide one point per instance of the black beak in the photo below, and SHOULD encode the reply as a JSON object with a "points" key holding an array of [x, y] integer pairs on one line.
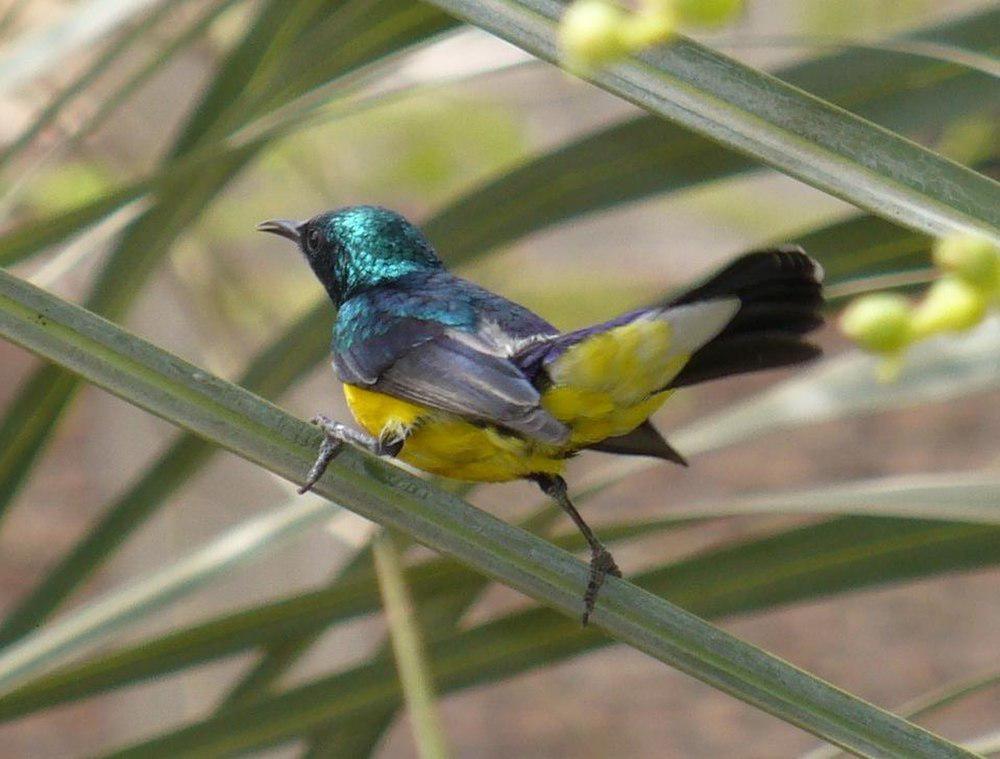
{"points": [[284, 227]]}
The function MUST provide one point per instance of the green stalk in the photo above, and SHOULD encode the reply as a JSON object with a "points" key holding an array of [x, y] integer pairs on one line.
{"points": [[408, 648]]}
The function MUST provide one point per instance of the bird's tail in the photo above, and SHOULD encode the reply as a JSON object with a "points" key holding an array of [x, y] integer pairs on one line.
{"points": [[604, 381], [780, 293]]}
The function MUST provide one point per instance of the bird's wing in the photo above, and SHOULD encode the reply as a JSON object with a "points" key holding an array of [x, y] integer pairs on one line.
{"points": [[429, 364]]}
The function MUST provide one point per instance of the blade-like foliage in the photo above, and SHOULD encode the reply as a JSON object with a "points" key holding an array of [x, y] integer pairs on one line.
{"points": [[646, 155], [372, 33], [775, 123], [801, 563], [445, 588], [908, 93], [274, 370], [124, 606], [248, 426]]}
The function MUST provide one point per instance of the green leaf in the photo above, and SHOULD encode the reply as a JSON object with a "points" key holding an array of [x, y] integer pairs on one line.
{"points": [[963, 496], [280, 654], [802, 563], [445, 589], [34, 52], [900, 91], [182, 199], [939, 698], [272, 372], [440, 612], [771, 121], [126, 605], [244, 424], [645, 155], [806, 563]]}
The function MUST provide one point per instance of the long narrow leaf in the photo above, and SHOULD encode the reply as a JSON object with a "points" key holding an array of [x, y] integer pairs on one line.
{"points": [[787, 567], [799, 564], [777, 124], [261, 433], [277, 367], [45, 46], [127, 605], [182, 200], [934, 371], [448, 588], [939, 698], [644, 155]]}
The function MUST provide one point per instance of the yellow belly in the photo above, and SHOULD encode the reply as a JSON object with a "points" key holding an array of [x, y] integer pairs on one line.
{"points": [[447, 445]]}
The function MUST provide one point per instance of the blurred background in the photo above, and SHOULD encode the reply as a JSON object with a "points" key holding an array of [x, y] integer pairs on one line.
{"points": [[433, 125]]}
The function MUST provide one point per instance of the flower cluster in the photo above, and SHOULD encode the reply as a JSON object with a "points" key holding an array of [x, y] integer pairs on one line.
{"points": [[594, 33], [969, 286]]}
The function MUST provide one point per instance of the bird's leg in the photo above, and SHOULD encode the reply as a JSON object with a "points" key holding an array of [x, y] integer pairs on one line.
{"points": [[335, 434], [601, 562]]}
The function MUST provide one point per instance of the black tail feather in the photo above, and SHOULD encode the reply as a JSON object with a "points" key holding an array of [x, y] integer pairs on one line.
{"points": [[780, 293], [740, 354], [758, 272]]}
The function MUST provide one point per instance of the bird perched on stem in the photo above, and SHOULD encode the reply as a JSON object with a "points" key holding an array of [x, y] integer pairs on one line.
{"points": [[463, 383]]}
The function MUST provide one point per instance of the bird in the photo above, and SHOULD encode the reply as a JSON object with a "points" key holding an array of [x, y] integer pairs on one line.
{"points": [[461, 382]]}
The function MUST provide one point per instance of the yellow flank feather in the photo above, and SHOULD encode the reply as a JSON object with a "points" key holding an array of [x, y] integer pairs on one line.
{"points": [[445, 444], [602, 387]]}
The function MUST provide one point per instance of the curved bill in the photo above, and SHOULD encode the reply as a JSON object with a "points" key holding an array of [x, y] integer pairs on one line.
{"points": [[283, 227]]}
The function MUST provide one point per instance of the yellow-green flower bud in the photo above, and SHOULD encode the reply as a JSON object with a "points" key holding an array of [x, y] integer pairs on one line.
{"points": [[707, 12], [879, 322], [951, 305], [590, 34], [649, 27], [974, 259]]}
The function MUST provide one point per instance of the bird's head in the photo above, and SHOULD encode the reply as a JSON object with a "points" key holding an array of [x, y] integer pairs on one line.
{"points": [[356, 248]]}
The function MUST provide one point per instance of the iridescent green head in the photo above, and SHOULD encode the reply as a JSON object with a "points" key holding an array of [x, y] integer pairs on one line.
{"points": [[356, 248]]}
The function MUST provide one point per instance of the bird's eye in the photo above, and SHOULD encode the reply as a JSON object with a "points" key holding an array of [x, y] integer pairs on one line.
{"points": [[314, 238]]}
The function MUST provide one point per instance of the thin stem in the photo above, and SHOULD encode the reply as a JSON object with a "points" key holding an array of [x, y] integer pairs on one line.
{"points": [[408, 648]]}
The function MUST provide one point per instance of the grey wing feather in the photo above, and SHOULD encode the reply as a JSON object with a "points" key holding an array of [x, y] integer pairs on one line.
{"points": [[446, 374]]}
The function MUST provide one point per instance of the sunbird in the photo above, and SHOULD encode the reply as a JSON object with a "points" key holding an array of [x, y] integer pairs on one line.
{"points": [[463, 383]]}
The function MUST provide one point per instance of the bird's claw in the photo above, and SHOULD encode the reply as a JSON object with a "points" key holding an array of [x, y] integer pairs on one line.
{"points": [[602, 564], [332, 444]]}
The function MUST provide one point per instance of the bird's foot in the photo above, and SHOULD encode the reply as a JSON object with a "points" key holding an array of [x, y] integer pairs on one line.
{"points": [[336, 434], [333, 443], [602, 564]]}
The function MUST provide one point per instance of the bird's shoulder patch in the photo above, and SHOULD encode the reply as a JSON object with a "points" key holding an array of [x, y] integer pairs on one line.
{"points": [[377, 328]]}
